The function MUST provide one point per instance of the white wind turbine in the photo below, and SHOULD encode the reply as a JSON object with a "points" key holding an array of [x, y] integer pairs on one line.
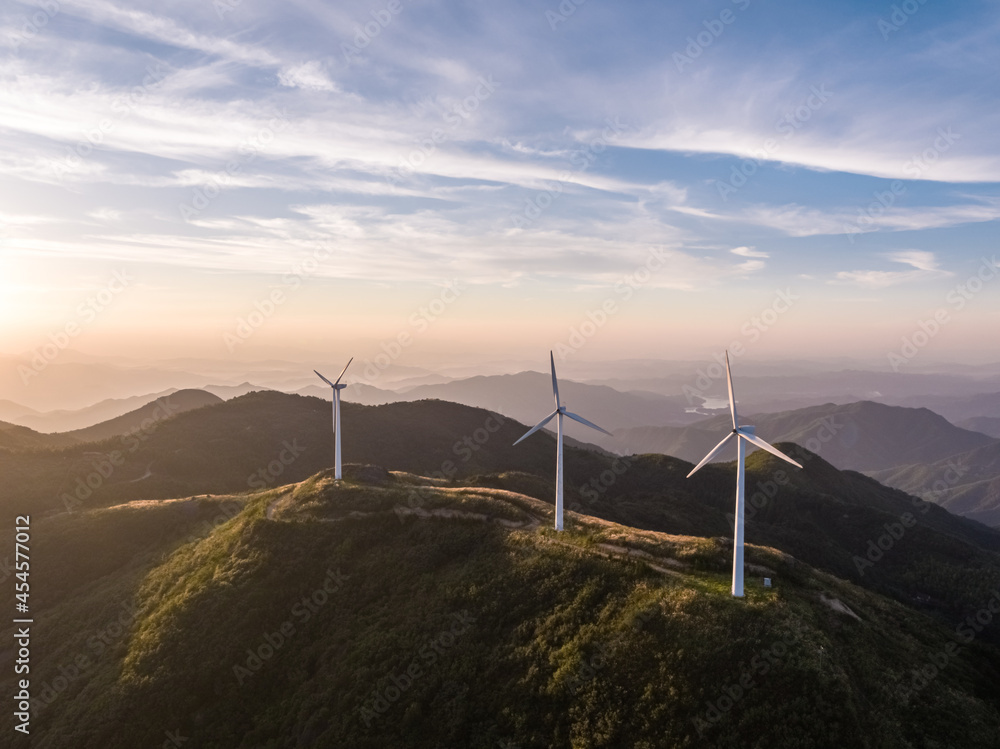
{"points": [[742, 435], [337, 387], [560, 412]]}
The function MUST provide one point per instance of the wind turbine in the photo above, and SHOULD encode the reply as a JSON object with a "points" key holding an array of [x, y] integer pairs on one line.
{"points": [[560, 412], [337, 387], [742, 435]]}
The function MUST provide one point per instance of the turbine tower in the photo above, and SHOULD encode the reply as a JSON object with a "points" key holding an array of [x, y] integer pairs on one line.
{"points": [[337, 387], [742, 435], [560, 412]]}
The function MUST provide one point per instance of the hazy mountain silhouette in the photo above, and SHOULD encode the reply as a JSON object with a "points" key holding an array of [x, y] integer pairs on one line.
{"points": [[15, 437], [967, 484], [986, 424], [958, 408], [863, 436], [144, 417], [527, 397]]}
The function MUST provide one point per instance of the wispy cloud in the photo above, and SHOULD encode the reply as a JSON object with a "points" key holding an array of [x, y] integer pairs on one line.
{"points": [[923, 264], [749, 252], [166, 30], [308, 75]]}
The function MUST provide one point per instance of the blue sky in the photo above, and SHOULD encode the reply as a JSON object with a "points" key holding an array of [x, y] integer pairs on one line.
{"points": [[536, 152]]}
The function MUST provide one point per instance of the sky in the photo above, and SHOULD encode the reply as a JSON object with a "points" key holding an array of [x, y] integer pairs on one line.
{"points": [[457, 181]]}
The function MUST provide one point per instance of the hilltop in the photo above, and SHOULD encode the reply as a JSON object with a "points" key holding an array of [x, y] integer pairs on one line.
{"points": [[392, 610]]}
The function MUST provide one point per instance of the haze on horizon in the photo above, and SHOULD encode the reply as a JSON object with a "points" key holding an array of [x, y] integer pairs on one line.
{"points": [[237, 183]]}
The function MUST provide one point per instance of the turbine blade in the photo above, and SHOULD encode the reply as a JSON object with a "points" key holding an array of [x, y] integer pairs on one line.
{"points": [[732, 397], [324, 379], [555, 385], [538, 426], [345, 369], [758, 442], [590, 424], [708, 458]]}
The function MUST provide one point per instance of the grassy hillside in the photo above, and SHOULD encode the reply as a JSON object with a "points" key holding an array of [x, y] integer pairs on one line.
{"points": [[393, 611], [940, 563]]}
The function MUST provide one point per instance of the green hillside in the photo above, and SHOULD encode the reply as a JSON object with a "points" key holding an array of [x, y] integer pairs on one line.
{"points": [[394, 611], [835, 520]]}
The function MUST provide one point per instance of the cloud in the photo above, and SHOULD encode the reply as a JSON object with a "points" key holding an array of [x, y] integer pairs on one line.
{"points": [[751, 266], [749, 252], [106, 214], [919, 259], [308, 75], [924, 265], [803, 221], [166, 30]]}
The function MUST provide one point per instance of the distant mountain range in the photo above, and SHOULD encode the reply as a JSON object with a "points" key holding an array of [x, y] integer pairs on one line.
{"points": [[912, 449], [863, 436], [150, 413], [50, 422], [986, 424], [967, 484], [904, 447], [64, 420], [958, 408], [14, 437], [146, 416], [74, 381], [527, 397]]}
